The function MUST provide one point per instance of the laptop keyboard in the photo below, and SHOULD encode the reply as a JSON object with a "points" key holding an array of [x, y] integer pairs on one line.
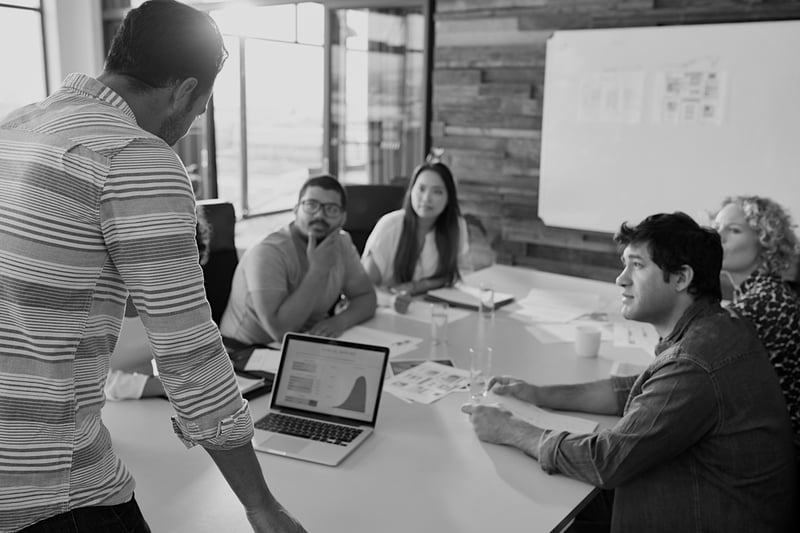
{"points": [[308, 429]]}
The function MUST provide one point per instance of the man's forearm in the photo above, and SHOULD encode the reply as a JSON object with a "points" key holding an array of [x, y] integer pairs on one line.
{"points": [[241, 470], [525, 437], [295, 309], [594, 397], [359, 309]]}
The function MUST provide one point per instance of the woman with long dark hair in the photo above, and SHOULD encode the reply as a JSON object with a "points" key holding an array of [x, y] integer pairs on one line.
{"points": [[418, 248]]}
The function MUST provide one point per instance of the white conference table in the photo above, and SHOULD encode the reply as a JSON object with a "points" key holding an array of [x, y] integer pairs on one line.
{"points": [[423, 470]]}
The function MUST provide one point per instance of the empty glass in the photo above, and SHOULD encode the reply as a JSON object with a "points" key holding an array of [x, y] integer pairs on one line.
{"points": [[480, 370], [439, 323]]}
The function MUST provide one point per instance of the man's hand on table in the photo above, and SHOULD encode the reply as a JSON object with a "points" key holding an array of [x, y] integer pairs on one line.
{"points": [[516, 388]]}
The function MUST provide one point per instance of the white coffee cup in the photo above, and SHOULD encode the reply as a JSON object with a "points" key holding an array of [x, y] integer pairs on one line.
{"points": [[587, 341]]}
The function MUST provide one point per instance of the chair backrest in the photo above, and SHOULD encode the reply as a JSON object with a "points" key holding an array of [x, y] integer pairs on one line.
{"points": [[481, 254], [222, 258], [366, 204]]}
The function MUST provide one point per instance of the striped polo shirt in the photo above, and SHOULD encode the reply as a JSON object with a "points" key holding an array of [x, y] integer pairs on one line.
{"points": [[92, 207]]}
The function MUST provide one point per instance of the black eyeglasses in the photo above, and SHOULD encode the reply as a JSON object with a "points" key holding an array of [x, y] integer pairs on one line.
{"points": [[312, 206]]}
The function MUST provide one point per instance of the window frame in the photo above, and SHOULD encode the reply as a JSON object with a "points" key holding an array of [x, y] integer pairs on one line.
{"points": [[328, 161], [43, 30]]}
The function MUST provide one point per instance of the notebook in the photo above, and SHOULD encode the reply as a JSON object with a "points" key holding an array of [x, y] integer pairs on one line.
{"points": [[466, 297], [324, 400]]}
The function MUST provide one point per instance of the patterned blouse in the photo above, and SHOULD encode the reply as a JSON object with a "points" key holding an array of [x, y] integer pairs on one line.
{"points": [[774, 309]]}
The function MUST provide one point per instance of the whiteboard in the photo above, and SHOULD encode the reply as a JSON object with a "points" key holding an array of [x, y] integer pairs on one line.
{"points": [[644, 120]]}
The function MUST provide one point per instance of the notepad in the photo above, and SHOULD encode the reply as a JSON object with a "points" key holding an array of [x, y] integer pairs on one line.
{"points": [[263, 360], [247, 384], [466, 296]]}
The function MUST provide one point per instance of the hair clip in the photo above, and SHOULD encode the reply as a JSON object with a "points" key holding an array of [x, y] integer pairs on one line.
{"points": [[434, 156]]}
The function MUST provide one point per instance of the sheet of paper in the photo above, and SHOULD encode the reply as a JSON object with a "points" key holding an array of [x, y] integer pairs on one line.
{"points": [[551, 333], [397, 343], [426, 382], [542, 418], [248, 384], [263, 360], [557, 306], [421, 311], [397, 367]]}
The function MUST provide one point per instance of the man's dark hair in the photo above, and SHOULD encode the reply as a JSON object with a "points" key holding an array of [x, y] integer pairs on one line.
{"points": [[327, 182], [163, 41], [674, 240]]}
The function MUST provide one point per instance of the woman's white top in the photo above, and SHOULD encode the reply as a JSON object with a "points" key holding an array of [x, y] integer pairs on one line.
{"points": [[382, 244]]}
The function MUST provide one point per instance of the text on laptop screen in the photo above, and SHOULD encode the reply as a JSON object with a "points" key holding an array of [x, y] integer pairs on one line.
{"points": [[306, 380]]}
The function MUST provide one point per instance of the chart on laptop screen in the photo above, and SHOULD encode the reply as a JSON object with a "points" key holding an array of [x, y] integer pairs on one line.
{"points": [[330, 378]]}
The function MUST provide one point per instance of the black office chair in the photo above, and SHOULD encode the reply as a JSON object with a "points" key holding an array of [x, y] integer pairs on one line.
{"points": [[222, 258], [481, 254], [794, 284], [366, 204]]}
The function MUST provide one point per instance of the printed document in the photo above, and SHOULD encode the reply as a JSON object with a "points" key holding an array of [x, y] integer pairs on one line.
{"points": [[397, 343], [421, 312], [426, 382], [263, 360], [557, 306], [540, 417]]}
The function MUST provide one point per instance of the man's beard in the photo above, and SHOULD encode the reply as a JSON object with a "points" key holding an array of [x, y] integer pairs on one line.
{"points": [[173, 128], [320, 224]]}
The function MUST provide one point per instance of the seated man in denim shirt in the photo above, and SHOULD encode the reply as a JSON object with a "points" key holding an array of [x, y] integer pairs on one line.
{"points": [[704, 442]]}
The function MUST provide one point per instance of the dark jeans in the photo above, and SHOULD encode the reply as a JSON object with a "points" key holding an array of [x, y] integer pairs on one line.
{"points": [[122, 518]]}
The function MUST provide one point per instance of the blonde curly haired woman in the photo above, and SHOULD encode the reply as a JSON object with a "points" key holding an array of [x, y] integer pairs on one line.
{"points": [[759, 245]]}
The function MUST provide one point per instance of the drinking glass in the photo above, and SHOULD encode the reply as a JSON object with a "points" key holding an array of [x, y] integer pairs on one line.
{"points": [[439, 323], [486, 304], [480, 370]]}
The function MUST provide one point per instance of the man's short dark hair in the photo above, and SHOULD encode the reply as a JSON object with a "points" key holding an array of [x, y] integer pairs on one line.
{"points": [[674, 240], [163, 41], [327, 182]]}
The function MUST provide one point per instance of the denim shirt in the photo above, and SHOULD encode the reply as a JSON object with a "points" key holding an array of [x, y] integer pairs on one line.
{"points": [[704, 442]]}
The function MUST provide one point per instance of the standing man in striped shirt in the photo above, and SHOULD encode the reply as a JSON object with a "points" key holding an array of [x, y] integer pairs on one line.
{"points": [[94, 204]]}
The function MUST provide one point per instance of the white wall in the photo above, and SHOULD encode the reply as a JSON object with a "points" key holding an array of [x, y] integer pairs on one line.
{"points": [[73, 37]]}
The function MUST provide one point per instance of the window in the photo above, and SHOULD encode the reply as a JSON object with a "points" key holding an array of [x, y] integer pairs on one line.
{"points": [[268, 104], [21, 53], [297, 98]]}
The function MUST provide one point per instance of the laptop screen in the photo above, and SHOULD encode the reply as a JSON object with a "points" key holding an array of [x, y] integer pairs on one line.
{"points": [[330, 377]]}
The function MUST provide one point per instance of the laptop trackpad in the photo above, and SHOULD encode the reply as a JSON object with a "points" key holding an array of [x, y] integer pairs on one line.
{"points": [[285, 443]]}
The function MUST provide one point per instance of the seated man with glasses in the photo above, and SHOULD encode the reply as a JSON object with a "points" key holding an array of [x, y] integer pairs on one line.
{"points": [[293, 279]]}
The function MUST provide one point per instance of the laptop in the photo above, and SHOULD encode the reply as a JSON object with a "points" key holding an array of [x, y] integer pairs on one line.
{"points": [[324, 400]]}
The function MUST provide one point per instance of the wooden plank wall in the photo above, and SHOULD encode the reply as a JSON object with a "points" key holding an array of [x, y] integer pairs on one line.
{"points": [[488, 76]]}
